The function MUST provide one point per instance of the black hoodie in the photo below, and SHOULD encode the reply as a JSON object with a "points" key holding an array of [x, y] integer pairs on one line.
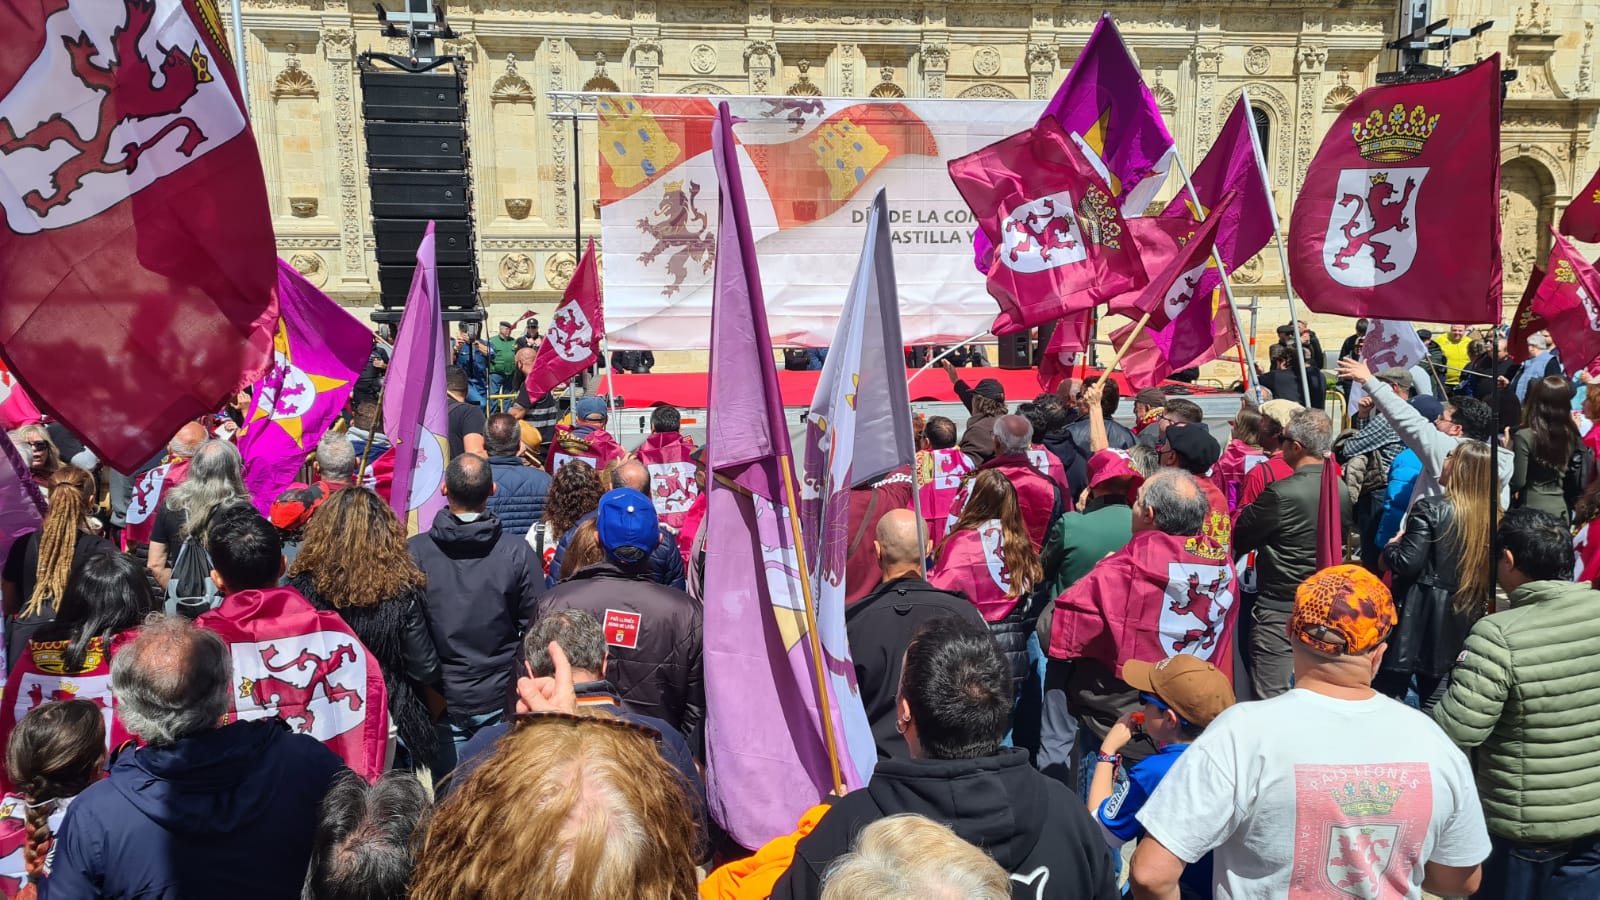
{"points": [[1034, 827], [482, 585]]}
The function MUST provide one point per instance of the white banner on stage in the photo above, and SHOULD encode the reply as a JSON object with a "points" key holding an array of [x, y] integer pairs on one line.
{"points": [[811, 166]]}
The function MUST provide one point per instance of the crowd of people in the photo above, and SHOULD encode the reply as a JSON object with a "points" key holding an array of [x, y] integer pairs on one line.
{"points": [[1299, 658]]}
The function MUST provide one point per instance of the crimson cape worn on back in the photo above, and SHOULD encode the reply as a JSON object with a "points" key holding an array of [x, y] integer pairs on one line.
{"points": [[1400, 210], [672, 485], [1154, 598], [305, 666], [136, 257]]}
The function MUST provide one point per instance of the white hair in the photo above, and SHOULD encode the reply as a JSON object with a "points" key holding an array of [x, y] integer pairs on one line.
{"points": [[1012, 434], [171, 681], [909, 857]]}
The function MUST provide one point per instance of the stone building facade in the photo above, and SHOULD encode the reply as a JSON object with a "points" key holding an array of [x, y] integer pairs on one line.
{"points": [[1301, 63]]}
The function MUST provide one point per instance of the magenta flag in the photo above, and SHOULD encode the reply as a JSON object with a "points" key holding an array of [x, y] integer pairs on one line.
{"points": [[414, 399], [317, 353], [767, 757], [1232, 166], [1071, 337], [1105, 103], [1330, 521], [572, 342], [22, 507]]}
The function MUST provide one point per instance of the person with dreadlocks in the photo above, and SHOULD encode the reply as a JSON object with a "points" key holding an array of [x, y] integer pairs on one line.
{"points": [[34, 578]]}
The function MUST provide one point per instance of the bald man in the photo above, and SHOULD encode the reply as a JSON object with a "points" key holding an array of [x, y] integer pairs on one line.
{"points": [[881, 624], [666, 561]]}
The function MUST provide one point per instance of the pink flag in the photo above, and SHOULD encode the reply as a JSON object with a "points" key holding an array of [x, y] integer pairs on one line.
{"points": [[318, 351], [1330, 523], [1232, 166], [17, 410], [414, 399], [1581, 221], [767, 757], [1569, 302], [572, 342], [1106, 103], [1072, 336], [1062, 245], [1400, 210], [136, 246], [1181, 329], [22, 507], [971, 562], [306, 667]]}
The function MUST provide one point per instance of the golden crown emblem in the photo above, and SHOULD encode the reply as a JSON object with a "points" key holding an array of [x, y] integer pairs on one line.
{"points": [[672, 187], [1564, 273], [1367, 798], [1395, 137]]}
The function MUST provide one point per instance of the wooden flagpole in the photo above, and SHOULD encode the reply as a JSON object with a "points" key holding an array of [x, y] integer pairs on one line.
{"points": [[1123, 350], [792, 503]]}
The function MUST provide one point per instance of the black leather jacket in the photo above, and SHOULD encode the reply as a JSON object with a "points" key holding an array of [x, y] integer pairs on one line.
{"points": [[1426, 562]]}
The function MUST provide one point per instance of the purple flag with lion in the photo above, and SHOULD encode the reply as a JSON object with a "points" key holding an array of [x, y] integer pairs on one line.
{"points": [[317, 353], [767, 751]]}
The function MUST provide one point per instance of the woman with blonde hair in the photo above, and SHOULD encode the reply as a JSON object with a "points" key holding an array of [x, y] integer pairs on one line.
{"points": [[215, 479], [37, 569], [1440, 564], [43, 458], [584, 550], [597, 814], [988, 556], [911, 857], [353, 560]]}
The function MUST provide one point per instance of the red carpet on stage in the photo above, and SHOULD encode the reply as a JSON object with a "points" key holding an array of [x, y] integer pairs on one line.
{"points": [[688, 389]]}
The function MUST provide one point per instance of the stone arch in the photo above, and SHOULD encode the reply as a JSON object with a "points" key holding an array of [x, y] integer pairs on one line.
{"points": [[600, 84], [887, 89], [804, 89], [1280, 112], [987, 91], [705, 87], [1549, 161], [1527, 208]]}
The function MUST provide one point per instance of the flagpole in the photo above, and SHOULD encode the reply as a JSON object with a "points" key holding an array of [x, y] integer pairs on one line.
{"points": [[1248, 366], [791, 502], [948, 350], [1123, 350], [1283, 253]]}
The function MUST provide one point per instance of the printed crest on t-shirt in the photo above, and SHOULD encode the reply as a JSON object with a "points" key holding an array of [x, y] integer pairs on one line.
{"points": [[1359, 830]]}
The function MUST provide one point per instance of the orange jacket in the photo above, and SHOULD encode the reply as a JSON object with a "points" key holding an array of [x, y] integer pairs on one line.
{"points": [[752, 878]]}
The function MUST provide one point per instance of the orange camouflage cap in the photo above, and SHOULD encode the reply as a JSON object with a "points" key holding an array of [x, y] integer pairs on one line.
{"points": [[1342, 610]]}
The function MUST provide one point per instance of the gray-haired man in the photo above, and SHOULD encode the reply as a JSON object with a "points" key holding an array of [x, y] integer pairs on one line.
{"points": [[201, 809]]}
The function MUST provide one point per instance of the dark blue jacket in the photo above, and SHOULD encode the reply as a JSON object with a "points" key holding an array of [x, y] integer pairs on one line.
{"points": [[519, 492], [666, 563], [224, 813]]}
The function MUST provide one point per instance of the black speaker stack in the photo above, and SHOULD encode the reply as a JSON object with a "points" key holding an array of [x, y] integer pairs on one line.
{"points": [[418, 169]]}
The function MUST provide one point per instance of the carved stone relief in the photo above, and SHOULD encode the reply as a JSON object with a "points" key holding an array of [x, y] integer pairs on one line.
{"points": [[986, 61], [1523, 215], [987, 92], [516, 272], [1257, 60], [311, 267], [558, 269], [293, 81], [338, 46]]}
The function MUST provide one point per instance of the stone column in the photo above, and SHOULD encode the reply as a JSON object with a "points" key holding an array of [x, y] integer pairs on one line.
{"points": [[847, 70], [1310, 63], [760, 58], [1207, 60], [1041, 65], [646, 63], [935, 60], [338, 45]]}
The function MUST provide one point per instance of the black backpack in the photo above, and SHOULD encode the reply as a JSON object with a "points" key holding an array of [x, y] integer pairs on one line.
{"points": [[190, 591]]}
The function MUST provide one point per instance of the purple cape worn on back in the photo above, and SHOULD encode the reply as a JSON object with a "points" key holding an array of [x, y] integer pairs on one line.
{"points": [[414, 399], [766, 753], [318, 351]]}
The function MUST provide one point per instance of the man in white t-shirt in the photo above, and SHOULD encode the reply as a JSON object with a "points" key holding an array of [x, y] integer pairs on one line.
{"points": [[1329, 790]]}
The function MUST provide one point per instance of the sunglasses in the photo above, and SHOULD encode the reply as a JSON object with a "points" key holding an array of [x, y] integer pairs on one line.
{"points": [[40, 446], [1155, 701]]}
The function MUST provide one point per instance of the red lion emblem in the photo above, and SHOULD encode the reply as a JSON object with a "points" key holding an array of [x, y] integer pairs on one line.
{"points": [[671, 486], [137, 98], [1387, 215], [1045, 230], [683, 229], [1202, 604], [271, 691]]}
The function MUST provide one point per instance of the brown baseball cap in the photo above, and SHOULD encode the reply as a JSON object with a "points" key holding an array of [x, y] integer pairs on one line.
{"points": [[1194, 688], [1343, 611]]}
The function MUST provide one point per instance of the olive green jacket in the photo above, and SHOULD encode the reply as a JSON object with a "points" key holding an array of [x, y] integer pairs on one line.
{"points": [[1526, 694]]}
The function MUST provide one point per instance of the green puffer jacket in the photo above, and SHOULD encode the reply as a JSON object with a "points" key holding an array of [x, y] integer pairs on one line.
{"points": [[1527, 693]]}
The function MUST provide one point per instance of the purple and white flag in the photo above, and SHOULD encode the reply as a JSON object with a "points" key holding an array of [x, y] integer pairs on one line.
{"points": [[414, 413], [1390, 344], [767, 753], [317, 353]]}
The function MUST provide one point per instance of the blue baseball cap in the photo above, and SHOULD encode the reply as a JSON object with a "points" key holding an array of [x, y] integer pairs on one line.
{"points": [[589, 407], [626, 521]]}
